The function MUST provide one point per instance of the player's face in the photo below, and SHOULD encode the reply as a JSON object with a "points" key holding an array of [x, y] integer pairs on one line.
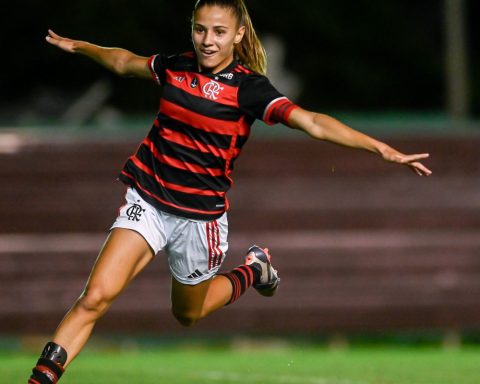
{"points": [[215, 31]]}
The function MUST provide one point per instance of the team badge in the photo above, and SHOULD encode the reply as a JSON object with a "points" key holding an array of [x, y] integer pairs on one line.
{"points": [[211, 90], [135, 212]]}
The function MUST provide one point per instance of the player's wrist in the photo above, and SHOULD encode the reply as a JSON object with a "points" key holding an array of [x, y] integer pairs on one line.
{"points": [[81, 47], [381, 149]]}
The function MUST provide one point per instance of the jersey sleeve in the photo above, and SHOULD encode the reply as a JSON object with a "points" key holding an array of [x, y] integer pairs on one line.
{"points": [[158, 65], [259, 99]]}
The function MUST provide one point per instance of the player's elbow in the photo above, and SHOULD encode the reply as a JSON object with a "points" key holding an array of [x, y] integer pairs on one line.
{"points": [[122, 63], [120, 67], [315, 126]]}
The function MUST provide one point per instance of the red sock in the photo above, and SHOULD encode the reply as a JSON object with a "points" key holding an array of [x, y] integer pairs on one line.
{"points": [[241, 278]]}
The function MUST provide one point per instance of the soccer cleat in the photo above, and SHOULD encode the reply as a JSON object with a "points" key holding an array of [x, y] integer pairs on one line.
{"points": [[260, 259]]}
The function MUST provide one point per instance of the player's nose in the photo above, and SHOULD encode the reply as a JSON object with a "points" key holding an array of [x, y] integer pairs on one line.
{"points": [[207, 39]]}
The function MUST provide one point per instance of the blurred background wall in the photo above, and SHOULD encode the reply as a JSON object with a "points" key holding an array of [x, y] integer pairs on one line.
{"points": [[361, 245]]}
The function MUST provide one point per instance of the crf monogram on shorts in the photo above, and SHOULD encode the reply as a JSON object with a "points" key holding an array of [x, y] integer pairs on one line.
{"points": [[135, 212]]}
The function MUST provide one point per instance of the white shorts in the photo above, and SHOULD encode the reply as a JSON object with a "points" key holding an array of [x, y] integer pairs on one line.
{"points": [[195, 248]]}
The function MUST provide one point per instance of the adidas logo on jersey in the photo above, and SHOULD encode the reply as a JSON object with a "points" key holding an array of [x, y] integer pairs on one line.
{"points": [[179, 78]]}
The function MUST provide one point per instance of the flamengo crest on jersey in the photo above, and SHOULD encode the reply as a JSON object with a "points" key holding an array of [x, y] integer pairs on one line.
{"points": [[184, 165], [212, 89]]}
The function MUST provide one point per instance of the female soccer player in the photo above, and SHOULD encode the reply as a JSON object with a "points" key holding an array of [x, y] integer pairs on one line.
{"points": [[179, 176]]}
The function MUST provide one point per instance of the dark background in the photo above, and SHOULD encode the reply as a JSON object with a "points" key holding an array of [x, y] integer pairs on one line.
{"points": [[371, 55]]}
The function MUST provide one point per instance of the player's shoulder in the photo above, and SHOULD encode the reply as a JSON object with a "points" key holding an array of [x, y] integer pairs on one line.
{"points": [[244, 76], [243, 69], [250, 79], [180, 61], [243, 72]]}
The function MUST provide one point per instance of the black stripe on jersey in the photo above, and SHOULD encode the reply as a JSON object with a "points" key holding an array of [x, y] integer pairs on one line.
{"points": [[241, 140], [207, 138], [185, 154], [209, 203], [199, 105], [182, 177]]}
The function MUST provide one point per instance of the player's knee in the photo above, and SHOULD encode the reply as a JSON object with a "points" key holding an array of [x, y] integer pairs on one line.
{"points": [[185, 318], [94, 300]]}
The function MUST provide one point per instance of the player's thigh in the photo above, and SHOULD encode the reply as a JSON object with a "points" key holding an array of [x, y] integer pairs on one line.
{"points": [[124, 254], [189, 299]]}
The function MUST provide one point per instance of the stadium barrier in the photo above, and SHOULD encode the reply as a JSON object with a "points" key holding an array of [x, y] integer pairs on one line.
{"points": [[360, 244]]}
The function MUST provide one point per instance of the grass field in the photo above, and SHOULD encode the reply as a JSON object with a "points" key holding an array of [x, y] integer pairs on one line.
{"points": [[290, 365]]}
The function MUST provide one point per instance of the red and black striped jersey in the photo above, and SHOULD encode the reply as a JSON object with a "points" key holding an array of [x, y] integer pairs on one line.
{"points": [[184, 165]]}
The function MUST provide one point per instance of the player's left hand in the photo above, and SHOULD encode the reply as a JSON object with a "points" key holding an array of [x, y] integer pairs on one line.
{"points": [[411, 161]]}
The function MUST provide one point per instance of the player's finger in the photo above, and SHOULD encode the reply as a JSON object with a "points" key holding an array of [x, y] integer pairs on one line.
{"points": [[53, 34], [51, 40], [421, 169], [415, 157], [417, 172]]}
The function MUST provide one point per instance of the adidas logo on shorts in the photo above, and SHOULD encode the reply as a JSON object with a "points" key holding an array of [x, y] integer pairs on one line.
{"points": [[195, 274]]}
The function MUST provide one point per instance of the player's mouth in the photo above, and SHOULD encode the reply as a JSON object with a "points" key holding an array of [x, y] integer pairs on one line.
{"points": [[207, 53]]}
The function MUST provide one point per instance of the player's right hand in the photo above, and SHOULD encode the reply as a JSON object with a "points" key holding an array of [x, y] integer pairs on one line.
{"points": [[64, 43]]}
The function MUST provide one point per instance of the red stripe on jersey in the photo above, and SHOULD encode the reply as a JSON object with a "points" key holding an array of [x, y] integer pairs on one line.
{"points": [[278, 111], [186, 141], [153, 196], [282, 112], [204, 123], [207, 88], [174, 187], [175, 163], [241, 68], [150, 66]]}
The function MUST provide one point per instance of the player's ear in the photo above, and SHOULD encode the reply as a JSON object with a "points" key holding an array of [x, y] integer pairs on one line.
{"points": [[239, 35]]}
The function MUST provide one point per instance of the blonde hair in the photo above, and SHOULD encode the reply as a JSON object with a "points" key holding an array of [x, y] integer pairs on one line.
{"points": [[250, 50]]}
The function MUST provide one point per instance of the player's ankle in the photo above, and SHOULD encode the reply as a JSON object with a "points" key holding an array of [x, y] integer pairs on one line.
{"points": [[50, 365]]}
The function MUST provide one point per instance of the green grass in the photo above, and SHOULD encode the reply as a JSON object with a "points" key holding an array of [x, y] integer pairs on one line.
{"points": [[290, 365]]}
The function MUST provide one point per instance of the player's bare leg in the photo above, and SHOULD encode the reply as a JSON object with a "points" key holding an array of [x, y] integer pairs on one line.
{"points": [[123, 256], [190, 303]]}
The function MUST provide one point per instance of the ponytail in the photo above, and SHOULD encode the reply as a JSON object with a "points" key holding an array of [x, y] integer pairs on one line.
{"points": [[250, 50]]}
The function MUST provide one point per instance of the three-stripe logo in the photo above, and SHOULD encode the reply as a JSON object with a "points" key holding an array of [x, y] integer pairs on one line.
{"points": [[215, 254]]}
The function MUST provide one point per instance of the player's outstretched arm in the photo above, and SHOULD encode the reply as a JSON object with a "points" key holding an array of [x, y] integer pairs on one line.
{"points": [[117, 60], [323, 127]]}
